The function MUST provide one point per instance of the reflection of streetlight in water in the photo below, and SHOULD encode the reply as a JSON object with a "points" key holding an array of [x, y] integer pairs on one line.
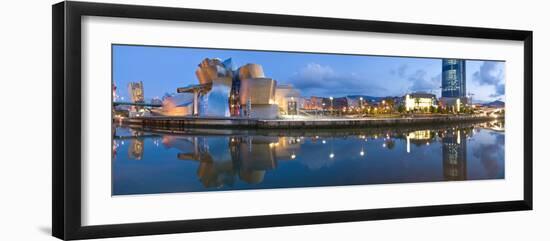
{"points": [[409, 143], [362, 152], [331, 155]]}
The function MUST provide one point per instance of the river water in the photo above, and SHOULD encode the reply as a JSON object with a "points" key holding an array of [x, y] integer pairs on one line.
{"points": [[192, 160]]}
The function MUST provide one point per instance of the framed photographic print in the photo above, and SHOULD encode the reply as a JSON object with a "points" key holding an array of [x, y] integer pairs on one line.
{"points": [[170, 120]]}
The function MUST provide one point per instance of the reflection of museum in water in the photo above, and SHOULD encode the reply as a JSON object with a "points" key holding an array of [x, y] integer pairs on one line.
{"points": [[224, 159]]}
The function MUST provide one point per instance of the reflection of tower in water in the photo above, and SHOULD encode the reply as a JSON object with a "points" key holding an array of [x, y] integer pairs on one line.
{"points": [[454, 155]]}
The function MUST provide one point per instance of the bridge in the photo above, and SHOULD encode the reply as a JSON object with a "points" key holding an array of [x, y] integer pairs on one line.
{"points": [[136, 104]]}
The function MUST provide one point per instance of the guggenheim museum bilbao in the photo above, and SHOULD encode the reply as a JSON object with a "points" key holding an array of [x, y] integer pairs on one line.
{"points": [[245, 92], [223, 91]]}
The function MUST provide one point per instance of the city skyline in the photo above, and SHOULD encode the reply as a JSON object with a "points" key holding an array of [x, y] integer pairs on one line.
{"points": [[258, 119], [163, 69]]}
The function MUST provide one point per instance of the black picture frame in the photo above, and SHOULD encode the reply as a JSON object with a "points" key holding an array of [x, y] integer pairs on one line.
{"points": [[66, 158]]}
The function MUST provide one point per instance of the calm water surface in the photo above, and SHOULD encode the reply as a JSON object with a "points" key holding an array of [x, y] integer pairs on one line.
{"points": [[146, 162]]}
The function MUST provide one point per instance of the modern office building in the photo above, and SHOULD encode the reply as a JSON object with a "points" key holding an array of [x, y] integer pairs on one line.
{"points": [[136, 92], [453, 78]]}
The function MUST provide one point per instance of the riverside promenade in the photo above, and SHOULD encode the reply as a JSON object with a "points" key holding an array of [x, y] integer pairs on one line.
{"points": [[247, 123]]}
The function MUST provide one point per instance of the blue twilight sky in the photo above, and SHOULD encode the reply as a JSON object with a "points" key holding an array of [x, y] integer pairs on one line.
{"points": [[163, 69]]}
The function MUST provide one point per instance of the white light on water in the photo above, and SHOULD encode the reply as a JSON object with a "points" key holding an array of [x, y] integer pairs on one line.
{"points": [[331, 155]]}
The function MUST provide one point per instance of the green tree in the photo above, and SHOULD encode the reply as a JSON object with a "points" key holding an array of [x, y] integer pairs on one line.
{"points": [[400, 108]]}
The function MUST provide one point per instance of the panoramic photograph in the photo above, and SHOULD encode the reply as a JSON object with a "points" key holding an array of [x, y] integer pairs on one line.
{"points": [[201, 119]]}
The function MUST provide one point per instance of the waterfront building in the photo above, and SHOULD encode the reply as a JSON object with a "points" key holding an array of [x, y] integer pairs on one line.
{"points": [[453, 78], [215, 102], [212, 97], [210, 69], [287, 98], [263, 111], [313, 103], [251, 71], [355, 102], [175, 105], [135, 90], [224, 92], [339, 103], [260, 91], [257, 92], [419, 101]]}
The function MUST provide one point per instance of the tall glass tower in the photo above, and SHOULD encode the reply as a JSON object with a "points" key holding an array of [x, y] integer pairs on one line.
{"points": [[453, 79]]}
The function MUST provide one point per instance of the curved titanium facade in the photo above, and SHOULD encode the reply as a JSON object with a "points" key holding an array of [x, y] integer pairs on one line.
{"points": [[225, 92], [216, 101], [260, 91], [250, 71], [210, 69]]}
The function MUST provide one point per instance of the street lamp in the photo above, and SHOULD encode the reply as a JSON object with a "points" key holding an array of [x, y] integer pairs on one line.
{"points": [[331, 106], [292, 107]]}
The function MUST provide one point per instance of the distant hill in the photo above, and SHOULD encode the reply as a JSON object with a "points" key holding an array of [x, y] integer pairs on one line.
{"points": [[495, 104], [367, 98]]}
